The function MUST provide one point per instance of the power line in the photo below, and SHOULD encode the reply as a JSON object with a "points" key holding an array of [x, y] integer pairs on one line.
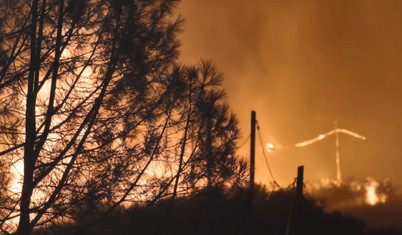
{"points": [[245, 141], [265, 156]]}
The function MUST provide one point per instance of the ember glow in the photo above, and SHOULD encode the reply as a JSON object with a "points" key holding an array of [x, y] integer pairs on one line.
{"points": [[372, 196], [17, 171], [270, 147], [351, 194]]}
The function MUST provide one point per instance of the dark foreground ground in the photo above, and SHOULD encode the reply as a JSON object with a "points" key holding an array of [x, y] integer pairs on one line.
{"points": [[216, 212]]}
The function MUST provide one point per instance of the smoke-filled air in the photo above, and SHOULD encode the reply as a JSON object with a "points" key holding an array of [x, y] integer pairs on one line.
{"points": [[200, 117], [309, 68]]}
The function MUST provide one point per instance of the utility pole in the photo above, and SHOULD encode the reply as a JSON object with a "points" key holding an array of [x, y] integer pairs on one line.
{"points": [[299, 200], [294, 225], [249, 219], [252, 152], [299, 187]]}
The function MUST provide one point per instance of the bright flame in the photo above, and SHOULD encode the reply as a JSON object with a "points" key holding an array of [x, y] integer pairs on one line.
{"points": [[270, 147], [65, 54], [352, 194], [17, 171], [320, 137], [372, 196]]}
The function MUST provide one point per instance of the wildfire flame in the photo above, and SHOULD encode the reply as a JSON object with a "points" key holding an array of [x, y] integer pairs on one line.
{"points": [[270, 147], [366, 192], [17, 171], [372, 196]]}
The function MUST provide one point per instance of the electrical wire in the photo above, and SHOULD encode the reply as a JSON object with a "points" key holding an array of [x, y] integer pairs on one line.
{"points": [[245, 141], [306, 190], [265, 156]]}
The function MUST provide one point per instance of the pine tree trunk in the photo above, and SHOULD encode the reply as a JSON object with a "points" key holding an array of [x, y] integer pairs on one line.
{"points": [[29, 159]]}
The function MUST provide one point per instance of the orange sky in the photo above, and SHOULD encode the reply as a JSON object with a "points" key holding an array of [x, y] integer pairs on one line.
{"points": [[303, 65]]}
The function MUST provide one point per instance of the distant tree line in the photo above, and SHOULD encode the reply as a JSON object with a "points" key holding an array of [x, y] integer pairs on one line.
{"points": [[95, 104]]}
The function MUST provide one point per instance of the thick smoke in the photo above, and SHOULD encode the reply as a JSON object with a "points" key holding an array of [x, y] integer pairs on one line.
{"points": [[303, 65]]}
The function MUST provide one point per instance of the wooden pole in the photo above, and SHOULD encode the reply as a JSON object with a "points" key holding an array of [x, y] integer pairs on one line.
{"points": [[299, 200], [249, 216], [252, 151], [299, 188], [294, 225]]}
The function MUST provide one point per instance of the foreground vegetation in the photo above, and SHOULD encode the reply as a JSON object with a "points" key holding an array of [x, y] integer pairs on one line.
{"points": [[218, 212], [96, 109], [116, 136]]}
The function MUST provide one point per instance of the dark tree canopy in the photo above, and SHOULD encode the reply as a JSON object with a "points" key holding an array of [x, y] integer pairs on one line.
{"points": [[95, 104]]}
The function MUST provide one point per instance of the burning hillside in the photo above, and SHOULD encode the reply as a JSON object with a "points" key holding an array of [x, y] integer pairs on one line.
{"points": [[353, 193], [373, 201]]}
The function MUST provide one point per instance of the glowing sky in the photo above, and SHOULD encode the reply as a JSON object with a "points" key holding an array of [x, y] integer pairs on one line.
{"points": [[303, 65]]}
